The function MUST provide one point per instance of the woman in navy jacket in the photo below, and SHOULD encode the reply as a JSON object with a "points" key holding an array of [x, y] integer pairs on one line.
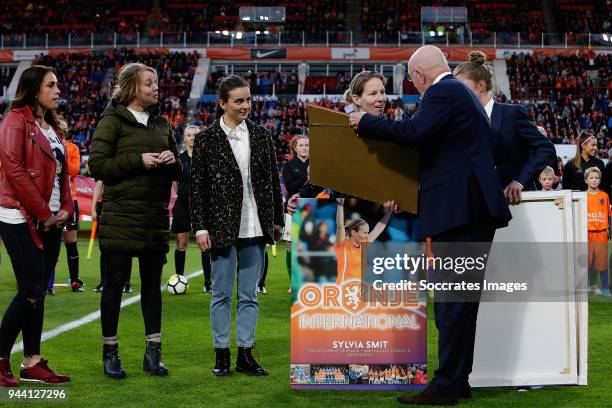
{"points": [[520, 151]]}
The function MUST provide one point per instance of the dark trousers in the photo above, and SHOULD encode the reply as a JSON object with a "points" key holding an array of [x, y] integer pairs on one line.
{"points": [[32, 267], [456, 319], [117, 270]]}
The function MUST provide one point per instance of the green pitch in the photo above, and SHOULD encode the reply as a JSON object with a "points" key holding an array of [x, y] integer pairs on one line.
{"points": [[189, 355]]}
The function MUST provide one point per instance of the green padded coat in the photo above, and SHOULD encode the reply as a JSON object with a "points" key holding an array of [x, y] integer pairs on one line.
{"points": [[134, 216]]}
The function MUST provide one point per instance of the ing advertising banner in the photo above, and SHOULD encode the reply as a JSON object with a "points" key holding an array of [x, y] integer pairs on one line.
{"points": [[344, 334]]}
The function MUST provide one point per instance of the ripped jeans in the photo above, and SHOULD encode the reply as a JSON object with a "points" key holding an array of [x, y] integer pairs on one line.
{"points": [[32, 268]]}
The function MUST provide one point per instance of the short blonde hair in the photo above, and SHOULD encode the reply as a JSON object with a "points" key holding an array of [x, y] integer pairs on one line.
{"points": [[590, 170], [128, 80], [293, 144], [548, 171], [357, 85]]}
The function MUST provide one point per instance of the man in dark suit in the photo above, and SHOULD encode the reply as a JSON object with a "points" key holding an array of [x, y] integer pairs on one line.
{"points": [[460, 201]]}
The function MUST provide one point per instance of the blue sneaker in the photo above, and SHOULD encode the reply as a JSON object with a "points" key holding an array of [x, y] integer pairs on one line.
{"points": [[606, 293]]}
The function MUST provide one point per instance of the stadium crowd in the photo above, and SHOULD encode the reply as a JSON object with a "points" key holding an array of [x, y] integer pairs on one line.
{"points": [[565, 94]]}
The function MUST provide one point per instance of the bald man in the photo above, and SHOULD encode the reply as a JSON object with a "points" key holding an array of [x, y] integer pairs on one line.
{"points": [[460, 203]]}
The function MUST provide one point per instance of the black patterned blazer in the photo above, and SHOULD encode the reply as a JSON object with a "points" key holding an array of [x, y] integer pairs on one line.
{"points": [[216, 185]]}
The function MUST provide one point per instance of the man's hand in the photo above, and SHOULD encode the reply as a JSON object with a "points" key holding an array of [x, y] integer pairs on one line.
{"points": [[204, 242], [278, 233], [151, 160], [354, 119], [167, 157], [340, 201], [513, 192], [292, 204]]}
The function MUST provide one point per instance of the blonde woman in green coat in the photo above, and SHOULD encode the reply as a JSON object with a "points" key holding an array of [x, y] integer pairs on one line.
{"points": [[134, 153]]}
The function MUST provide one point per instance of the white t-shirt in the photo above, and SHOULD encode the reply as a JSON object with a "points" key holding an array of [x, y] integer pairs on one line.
{"points": [[13, 215], [60, 161], [141, 117]]}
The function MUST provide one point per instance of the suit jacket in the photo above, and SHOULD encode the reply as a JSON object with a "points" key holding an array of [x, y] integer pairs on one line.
{"points": [[458, 183], [216, 185], [521, 152]]}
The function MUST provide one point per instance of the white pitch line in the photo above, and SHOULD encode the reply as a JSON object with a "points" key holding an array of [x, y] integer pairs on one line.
{"points": [[87, 318]]}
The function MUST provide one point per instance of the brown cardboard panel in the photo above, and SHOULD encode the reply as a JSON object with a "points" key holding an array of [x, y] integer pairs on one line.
{"points": [[369, 169]]}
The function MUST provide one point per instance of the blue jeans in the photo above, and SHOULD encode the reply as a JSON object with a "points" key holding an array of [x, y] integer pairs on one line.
{"points": [[248, 255]]}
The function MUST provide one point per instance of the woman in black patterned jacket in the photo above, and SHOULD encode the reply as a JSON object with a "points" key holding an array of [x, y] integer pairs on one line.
{"points": [[236, 208]]}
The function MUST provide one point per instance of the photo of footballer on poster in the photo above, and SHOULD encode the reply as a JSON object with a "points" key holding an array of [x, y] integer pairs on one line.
{"points": [[344, 334]]}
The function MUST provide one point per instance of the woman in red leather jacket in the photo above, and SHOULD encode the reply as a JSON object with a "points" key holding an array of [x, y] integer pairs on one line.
{"points": [[35, 203]]}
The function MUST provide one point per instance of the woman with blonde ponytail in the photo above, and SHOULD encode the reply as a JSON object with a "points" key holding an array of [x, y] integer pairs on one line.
{"points": [[520, 151]]}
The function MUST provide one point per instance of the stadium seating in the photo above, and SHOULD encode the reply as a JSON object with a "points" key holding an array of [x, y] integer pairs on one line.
{"points": [[583, 16], [261, 82], [59, 17], [484, 17], [544, 77]]}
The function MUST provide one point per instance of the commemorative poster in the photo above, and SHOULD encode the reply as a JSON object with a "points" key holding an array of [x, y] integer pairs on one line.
{"points": [[344, 334]]}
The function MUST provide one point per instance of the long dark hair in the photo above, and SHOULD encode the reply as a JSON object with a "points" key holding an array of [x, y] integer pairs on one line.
{"points": [[27, 90], [584, 137], [224, 86]]}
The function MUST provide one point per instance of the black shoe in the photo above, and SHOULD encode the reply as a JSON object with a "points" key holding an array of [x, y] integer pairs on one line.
{"points": [[127, 288], [247, 364], [152, 360], [428, 397], [222, 362], [207, 289], [112, 363], [466, 392], [99, 288]]}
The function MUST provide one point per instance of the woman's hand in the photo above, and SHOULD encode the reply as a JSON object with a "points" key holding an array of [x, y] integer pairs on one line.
{"points": [[204, 242], [151, 160], [513, 192], [390, 206], [62, 216], [50, 223], [355, 118], [292, 204], [167, 157]]}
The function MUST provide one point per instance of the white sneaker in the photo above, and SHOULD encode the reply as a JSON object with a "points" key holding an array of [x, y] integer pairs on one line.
{"points": [[262, 290], [595, 290]]}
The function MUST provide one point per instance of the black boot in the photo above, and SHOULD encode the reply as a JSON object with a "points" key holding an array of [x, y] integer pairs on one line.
{"points": [[222, 362], [247, 364], [152, 360], [112, 363]]}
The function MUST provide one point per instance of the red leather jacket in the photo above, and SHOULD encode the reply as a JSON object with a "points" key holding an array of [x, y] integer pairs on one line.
{"points": [[28, 167]]}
